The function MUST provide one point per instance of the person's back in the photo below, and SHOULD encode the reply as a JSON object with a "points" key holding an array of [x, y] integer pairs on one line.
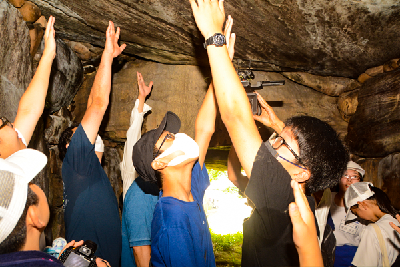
{"points": [[91, 208]]}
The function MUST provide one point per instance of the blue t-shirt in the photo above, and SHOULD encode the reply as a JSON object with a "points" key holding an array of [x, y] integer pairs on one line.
{"points": [[136, 222], [179, 231], [91, 208]]}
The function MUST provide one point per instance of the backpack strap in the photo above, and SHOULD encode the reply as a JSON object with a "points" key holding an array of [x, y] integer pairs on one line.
{"points": [[385, 257]]}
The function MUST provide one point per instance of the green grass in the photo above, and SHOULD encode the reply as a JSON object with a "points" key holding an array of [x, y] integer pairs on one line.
{"points": [[227, 248]]}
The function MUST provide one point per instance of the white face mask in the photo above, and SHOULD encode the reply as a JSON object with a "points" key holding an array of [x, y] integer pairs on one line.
{"points": [[182, 143]]}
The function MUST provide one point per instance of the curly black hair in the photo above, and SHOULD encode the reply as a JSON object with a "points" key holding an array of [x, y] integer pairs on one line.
{"points": [[320, 151]]}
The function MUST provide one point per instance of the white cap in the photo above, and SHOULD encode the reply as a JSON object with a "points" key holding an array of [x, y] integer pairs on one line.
{"points": [[351, 165], [356, 192], [16, 172]]}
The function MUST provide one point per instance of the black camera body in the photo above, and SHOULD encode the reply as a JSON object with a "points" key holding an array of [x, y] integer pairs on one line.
{"points": [[246, 75], [82, 256]]}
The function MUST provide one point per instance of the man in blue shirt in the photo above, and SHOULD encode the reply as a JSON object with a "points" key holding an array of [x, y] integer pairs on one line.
{"points": [[179, 232], [91, 208]]}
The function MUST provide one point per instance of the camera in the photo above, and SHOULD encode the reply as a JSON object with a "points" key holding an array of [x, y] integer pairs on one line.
{"points": [[246, 75], [82, 256]]}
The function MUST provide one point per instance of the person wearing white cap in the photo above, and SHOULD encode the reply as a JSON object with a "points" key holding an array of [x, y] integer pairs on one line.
{"points": [[24, 211], [380, 243], [16, 136]]}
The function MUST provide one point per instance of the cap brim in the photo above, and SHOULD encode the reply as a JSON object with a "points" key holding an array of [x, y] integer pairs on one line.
{"points": [[26, 163], [145, 145]]}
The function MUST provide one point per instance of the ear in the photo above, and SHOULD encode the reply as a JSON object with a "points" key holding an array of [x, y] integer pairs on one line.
{"points": [[302, 176], [159, 164], [33, 218]]}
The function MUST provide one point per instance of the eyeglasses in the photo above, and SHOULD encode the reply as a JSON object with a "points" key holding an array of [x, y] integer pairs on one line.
{"points": [[167, 136], [278, 141], [5, 122], [351, 178]]}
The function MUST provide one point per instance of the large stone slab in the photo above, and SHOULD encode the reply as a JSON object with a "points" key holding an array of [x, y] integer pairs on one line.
{"points": [[325, 37], [374, 129], [181, 89]]}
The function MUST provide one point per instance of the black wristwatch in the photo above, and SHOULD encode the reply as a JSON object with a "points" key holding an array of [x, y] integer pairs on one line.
{"points": [[218, 39]]}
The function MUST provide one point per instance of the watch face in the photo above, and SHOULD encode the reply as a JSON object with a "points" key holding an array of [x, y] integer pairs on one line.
{"points": [[219, 39]]}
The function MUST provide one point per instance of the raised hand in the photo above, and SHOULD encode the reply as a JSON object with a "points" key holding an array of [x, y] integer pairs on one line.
{"points": [[304, 230], [268, 116], [394, 226], [49, 39], [209, 16], [143, 89], [230, 38], [112, 37]]}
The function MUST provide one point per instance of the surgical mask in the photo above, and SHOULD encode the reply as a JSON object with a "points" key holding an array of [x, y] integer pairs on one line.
{"points": [[182, 143]]}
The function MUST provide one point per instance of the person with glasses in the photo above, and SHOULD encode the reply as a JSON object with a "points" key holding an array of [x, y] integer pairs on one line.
{"points": [[348, 235], [16, 136], [305, 149], [90, 205]]}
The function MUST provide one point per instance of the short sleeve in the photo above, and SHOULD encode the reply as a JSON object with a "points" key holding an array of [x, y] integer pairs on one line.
{"points": [[200, 182], [368, 252], [176, 248], [78, 152]]}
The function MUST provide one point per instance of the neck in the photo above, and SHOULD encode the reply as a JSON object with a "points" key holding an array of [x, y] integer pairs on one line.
{"points": [[339, 199], [32, 239], [177, 182], [378, 213]]}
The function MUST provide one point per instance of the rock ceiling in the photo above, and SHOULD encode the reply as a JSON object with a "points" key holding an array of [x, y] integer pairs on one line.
{"points": [[325, 37]]}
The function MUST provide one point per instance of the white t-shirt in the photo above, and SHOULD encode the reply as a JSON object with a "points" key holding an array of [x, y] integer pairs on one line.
{"points": [[345, 234], [369, 251]]}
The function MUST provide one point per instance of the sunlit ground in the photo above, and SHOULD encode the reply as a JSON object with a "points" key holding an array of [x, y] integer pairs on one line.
{"points": [[224, 207]]}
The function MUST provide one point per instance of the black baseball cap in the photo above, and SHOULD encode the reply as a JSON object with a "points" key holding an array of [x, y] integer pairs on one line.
{"points": [[142, 153]]}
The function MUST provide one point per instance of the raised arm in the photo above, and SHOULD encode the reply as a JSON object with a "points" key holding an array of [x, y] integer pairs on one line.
{"points": [[304, 231], [100, 92], [234, 170], [231, 97], [32, 102], [205, 121]]}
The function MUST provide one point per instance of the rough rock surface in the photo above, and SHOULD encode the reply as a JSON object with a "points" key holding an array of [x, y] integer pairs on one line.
{"points": [[374, 129], [65, 79], [181, 89], [15, 66], [326, 37], [332, 86], [389, 175]]}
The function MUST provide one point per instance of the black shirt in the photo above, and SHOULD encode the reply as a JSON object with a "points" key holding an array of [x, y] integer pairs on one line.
{"points": [[267, 234]]}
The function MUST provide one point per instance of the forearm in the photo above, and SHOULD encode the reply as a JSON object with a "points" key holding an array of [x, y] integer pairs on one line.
{"points": [[142, 99], [32, 101], [101, 88], [205, 123]]}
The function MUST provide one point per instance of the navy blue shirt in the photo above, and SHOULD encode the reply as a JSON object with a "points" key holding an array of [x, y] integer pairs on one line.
{"points": [[91, 208], [29, 258], [179, 232]]}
